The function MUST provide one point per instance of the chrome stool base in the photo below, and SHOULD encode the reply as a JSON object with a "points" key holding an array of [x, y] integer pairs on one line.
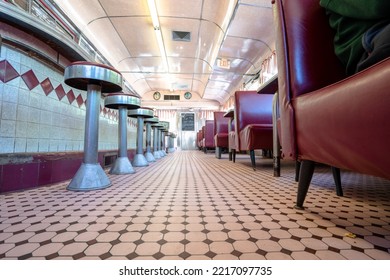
{"points": [[121, 166], [89, 177], [149, 157], [139, 160], [156, 155]]}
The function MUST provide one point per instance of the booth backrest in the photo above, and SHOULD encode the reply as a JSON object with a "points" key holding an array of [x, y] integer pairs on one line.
{"points": [[209, 134], [252, 108], [308, 43], [199, 136], [306, 58], [220, 123], [341, 121]]}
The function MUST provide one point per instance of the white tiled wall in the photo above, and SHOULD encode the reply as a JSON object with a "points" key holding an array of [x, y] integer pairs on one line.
{"points": [[30, 121]]}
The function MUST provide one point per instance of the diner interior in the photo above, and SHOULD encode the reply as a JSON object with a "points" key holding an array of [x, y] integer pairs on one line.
{"points": [[188, 130]]}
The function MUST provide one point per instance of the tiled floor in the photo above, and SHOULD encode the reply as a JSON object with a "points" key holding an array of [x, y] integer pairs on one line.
{"points": [[190, 205]]}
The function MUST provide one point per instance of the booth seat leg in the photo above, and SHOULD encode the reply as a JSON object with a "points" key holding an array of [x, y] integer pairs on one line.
{"points": [[336, 177], [218, 152], [305, 176], [253, 160], [297, 169], [337, 180]]}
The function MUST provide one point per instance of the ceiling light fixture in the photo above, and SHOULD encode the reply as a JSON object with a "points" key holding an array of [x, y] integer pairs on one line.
{"points": [[157, 31], [153, 14]]}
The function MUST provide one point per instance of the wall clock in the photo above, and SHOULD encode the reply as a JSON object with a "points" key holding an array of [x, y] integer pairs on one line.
{"points": [[156, 95], [187, 95]]}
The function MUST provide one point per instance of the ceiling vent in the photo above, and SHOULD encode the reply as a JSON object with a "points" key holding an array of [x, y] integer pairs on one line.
{"points": [[182, 36], [171, 97]]}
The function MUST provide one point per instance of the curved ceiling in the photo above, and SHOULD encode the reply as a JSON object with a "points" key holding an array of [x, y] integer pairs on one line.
{"points": [[239, 32]]}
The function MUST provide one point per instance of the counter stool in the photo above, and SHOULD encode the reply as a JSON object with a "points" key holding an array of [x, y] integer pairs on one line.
{"points": [[122, 102], [148, 154], [164, 132], [96, 79], [171, 142], [160, 140], [141, 114], [156, 134]]}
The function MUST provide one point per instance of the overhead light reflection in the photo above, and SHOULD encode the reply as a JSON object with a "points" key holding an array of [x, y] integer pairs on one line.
{"points": [[153, 14], [160, 43], [157, 31]]}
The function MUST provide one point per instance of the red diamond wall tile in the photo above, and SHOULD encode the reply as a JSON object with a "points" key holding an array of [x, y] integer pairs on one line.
{"points": [[7, 72], [80, 100], [60, 92], [30, 79], [47, 86], [70, 96]]}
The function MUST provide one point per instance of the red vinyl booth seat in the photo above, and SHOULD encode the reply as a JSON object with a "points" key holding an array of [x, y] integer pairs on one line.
{"points": [[208, 140], [199, 138], [253, 122], [327, 117], [202, 137], [220, 132]]}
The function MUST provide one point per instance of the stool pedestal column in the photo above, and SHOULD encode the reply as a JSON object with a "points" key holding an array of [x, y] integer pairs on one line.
{"points": [[122, 102], [163, 148], [160, 137], [156, 152], [148, 154], [171, 142], [122, 164], [139, 159], [164, 131], [90, 175]]}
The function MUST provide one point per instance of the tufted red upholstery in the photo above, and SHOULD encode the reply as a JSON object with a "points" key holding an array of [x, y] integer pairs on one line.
{"points": [[253, 121], [325, 116]]}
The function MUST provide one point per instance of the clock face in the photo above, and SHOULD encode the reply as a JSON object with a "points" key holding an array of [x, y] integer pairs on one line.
{"points": [[187, 95], [156, 95]]}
